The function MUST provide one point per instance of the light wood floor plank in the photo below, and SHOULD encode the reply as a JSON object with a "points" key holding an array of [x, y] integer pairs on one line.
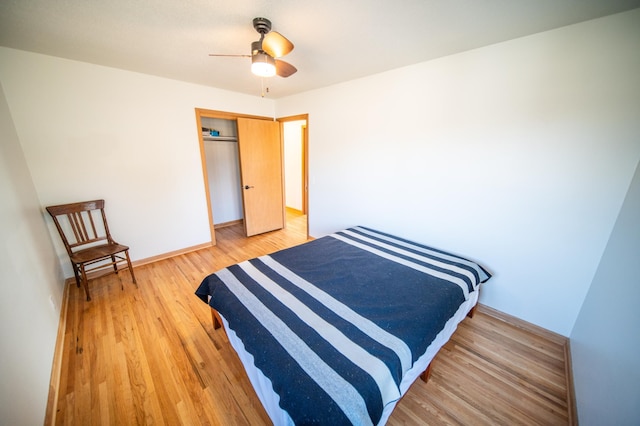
{"points": [[148, 354]]}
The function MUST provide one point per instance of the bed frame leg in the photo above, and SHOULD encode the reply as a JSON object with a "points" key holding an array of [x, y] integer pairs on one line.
{"points": [[472, 312], [426, 373], [216, 319]]}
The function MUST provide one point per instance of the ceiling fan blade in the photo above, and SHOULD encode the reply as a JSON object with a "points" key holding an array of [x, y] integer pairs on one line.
{"points": [[276, 45], [284, 69], [234, 56]]}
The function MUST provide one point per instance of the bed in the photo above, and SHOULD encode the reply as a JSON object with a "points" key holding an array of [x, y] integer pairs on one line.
{"points": [[334, 331]]}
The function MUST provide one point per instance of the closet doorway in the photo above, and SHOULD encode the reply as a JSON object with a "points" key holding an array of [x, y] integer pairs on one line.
{"points": [[226, 167]]}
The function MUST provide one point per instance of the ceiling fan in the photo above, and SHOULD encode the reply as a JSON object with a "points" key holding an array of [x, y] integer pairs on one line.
{"points": [[266, 51]]}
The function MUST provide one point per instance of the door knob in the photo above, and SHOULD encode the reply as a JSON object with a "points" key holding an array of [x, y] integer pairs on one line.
{"points": [[248, 187]]}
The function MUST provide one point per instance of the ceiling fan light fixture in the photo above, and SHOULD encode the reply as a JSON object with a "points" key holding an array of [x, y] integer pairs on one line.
{"points": [[263, 65]]}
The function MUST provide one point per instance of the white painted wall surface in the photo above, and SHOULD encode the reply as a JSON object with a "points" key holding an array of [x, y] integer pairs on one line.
{"points": [[605, 341], [518, 155], [293, 163], [31, 283], [94, 132]]}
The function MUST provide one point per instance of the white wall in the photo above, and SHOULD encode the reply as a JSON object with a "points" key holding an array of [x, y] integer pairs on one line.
{"points": [[292, 136], [518, 155], [94, 132], [30, 276], [605, 341]]}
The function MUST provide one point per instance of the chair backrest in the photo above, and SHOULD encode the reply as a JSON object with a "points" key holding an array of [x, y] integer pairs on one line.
{"points": [[81, 224]]}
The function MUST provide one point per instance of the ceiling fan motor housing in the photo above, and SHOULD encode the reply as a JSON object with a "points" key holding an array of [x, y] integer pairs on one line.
{"points": [[256, 47]]}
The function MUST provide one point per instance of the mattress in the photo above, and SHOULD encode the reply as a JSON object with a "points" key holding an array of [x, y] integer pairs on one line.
{"points": [[334, 331]]}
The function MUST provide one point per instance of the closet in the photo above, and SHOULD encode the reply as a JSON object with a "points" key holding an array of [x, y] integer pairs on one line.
{"points": [[243, 169], [243, 172], [220, 138]]}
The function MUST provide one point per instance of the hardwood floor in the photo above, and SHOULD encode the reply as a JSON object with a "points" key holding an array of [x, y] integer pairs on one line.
{"points": [[149, 355]]}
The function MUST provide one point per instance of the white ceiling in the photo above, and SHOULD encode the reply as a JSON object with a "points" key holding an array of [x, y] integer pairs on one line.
{"points": [[336, 40]]}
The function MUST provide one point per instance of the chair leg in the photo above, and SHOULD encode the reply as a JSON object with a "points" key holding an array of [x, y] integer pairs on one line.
{"points": [[115, 265], [133, 277], [75, 272], [85, 282]]}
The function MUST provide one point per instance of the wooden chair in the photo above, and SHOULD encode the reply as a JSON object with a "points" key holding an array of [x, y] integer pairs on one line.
{"points": [[86, 237]]}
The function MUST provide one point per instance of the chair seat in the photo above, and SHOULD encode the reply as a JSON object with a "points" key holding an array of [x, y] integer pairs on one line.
{"points": [[97, 252]]}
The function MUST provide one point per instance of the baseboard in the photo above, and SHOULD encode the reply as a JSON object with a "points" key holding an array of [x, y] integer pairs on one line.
{"points": [[230, 223], [522, 324], [56, 367], [141, 262], [550, 335], [168, 255], [295, 211], [571, 395]]}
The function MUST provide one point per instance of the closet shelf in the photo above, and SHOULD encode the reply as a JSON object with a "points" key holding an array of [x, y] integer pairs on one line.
{"points": [[220, 138]]}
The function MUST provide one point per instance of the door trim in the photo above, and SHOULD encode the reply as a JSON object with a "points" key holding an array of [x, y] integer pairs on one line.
{"points": [[305, 160]]}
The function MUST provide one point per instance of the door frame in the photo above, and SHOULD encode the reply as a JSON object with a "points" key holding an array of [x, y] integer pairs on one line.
{"points": [[209, 113], [305, 160]]}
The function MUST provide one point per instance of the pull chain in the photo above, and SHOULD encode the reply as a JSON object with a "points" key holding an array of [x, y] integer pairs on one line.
{"points": [[263, 90]]}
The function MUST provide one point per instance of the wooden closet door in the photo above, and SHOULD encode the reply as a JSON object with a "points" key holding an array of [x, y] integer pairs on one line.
{"points": [[260, 152]]}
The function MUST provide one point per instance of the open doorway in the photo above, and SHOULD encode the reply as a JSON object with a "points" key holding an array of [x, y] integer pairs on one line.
{"points": [[295, 149]]}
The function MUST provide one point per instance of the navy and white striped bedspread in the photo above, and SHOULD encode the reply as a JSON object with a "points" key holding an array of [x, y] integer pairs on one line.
{"points": [[335, 323]]}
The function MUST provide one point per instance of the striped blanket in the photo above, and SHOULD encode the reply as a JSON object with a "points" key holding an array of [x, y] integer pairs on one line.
{"points": [[336, 323]]}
